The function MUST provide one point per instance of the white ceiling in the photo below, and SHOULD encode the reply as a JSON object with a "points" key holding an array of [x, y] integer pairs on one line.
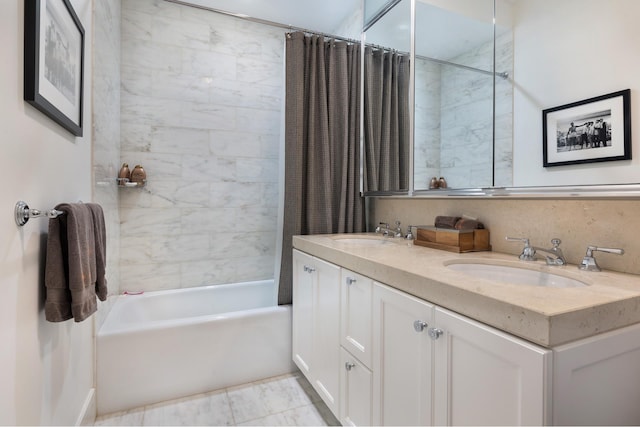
{"points": [[440, 33], [322, 16]]}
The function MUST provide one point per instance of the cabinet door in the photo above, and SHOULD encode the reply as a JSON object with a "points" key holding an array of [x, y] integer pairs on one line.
{"points": [[355, 391], [355, 318], [302, 308], [402, 358], [596, 381], [486, 377], [326, 332]]}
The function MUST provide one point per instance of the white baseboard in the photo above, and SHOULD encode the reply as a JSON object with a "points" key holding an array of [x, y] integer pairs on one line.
{"points": [[87, 415]]}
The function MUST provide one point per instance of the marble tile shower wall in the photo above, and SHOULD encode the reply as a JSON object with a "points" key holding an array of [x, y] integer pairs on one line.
{"points": [[427, 123], [201, 111], [453, 119], [106, 133], [466, 126]]}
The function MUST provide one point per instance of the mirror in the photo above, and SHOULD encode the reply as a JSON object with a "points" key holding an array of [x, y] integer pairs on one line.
{"points": [[453, 135], [558, 75], [552, 58], [387, 104], [453, 93]]}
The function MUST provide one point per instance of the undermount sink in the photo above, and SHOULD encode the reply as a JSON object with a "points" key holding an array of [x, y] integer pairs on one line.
{"points": [[371, 241], [515, 275]]}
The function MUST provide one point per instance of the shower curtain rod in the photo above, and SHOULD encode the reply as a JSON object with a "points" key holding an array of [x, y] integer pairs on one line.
{"points": [[504, 75], [261, 21], [304, 30]]}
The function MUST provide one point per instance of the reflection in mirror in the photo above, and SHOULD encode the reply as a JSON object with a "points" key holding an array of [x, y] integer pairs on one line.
{"points": [[552, 57], [373, 8], [454, 96], [386, 112], [577, 62], [503, 104]]}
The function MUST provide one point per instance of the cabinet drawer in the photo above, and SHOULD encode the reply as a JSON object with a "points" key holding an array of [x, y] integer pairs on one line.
{"points": [[355, 317], [356, 382]]}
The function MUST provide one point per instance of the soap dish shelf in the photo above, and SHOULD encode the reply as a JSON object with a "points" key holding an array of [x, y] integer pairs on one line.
{"points": [[126, 183]]}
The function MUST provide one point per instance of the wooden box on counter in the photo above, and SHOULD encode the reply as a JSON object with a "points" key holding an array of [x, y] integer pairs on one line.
{"points": [[453, 240]]}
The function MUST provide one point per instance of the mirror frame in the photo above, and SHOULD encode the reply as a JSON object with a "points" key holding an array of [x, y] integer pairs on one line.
{"points": [[612, 191]]}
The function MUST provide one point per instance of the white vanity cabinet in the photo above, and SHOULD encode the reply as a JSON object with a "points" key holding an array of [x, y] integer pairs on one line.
{"points": [[316, 325], [355, 315], [483, 376], [478, 375], [402, 358], [380, 356], [356, 387], [596, 381], [356, 378]]}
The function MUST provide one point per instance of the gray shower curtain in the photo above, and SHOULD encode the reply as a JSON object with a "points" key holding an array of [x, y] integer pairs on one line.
{"points": [[322, 143], [386, 120]]}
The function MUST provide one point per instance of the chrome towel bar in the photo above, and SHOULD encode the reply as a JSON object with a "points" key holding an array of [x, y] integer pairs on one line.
{"points": [[23, 213]]}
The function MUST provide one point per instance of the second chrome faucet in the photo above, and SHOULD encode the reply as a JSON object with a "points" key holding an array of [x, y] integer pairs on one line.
{"points": [[554, 255]]}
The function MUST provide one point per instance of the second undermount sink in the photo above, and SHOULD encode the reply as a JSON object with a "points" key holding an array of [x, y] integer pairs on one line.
{"points": [[515, 275]]}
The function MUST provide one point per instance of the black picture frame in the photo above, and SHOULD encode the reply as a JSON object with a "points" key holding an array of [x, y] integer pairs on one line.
{"points": [[589, 131], [54, 61]]}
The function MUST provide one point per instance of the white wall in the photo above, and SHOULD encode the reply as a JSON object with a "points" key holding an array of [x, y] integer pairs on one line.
{"points": [[567, 51], [46, 369]]}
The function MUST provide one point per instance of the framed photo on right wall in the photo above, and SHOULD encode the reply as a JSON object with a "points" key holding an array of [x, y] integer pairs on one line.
{"points": [[588, 131]]}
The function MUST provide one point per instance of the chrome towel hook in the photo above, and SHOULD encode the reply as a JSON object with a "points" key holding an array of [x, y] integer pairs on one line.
{"points": [[23, 213]]}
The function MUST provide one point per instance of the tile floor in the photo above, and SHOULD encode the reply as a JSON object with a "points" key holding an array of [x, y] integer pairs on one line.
{"points": [[287, 400]]}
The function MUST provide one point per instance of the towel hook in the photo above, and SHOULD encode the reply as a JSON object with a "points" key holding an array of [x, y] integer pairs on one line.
{"points": [[23, 213]]}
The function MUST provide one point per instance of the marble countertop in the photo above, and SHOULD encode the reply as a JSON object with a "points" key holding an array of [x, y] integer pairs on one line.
{"points": [[543, 315]]}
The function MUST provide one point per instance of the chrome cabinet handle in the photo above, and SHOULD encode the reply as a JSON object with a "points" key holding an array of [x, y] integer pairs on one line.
{"points": [[435, 333], [349, 365], [419, 325], [351, 280], [309, 269]]}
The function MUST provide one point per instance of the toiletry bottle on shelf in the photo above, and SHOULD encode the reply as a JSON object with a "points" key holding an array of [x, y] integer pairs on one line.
{"points": [[124, 175], [442, 183], [139, 176], [433, 184]]}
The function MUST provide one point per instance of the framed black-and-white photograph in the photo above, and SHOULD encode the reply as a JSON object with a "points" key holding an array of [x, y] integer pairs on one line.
{"points": [[593, 130], [53, 61]]}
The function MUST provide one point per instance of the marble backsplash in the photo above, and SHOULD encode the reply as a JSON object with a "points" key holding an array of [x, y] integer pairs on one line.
{"points": [[577, 222], [201, 106]]}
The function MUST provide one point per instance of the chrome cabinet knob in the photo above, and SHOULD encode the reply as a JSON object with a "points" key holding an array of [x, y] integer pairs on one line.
{"points": [[351, 280], [435, 333], [419, 325], [349, 365]]}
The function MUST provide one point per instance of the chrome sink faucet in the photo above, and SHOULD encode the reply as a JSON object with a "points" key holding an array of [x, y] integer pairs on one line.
{"points": [[409, 235], [554, 255], [589, 262], [384, 230], [528, 252], [387, 232]]}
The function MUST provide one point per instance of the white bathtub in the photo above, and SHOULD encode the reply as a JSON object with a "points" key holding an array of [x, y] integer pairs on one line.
{"points": [[170, 344]]}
